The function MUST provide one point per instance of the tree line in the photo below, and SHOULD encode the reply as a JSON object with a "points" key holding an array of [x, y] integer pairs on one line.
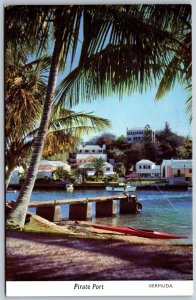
{"points": [[167, 145]]}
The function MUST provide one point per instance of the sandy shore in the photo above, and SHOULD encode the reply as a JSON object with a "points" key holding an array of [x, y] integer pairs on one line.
{"points": [[79, 252]]}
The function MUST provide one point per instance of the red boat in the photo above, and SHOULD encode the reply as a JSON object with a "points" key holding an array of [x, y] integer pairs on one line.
{"points": [[139, 232]]}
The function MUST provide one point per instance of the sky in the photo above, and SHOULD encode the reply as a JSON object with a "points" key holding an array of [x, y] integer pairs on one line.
{"points": [[138, 110]]}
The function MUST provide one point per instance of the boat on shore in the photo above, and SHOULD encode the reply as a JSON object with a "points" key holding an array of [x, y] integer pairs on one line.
{"points": [[146, 233], [121, 187]]}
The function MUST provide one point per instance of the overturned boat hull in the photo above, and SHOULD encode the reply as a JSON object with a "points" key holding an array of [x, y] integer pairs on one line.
{"points": [[138, 232]]}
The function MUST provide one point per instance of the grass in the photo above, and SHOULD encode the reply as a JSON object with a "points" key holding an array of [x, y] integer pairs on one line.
{"points": [[40, 225]]}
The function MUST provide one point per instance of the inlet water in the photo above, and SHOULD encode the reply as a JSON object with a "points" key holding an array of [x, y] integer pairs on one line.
{"points": [[168, 211]]}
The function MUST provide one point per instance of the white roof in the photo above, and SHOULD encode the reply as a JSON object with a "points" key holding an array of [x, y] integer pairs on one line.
{"points": [[86, 164], [136, 128], [52, 163], [90, 147], [108, 164], [145, 161], [181, 163], [86, 155], [178, 163]]}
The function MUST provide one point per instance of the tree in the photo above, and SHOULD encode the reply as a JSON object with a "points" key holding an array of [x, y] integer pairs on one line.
{"points": [[180, 67], [105, 138], [185, 151], [64, 131], [97, 164], [120, 169], [60, 173], [25, 88], [122, 51]]}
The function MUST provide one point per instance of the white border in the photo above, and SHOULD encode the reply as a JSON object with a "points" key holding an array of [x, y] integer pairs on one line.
{"points": [[99, 288], [114, 288]]}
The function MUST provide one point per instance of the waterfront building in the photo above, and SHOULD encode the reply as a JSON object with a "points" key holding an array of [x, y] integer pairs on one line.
{"points": [[89, 152], [46, 168], [147, 168], [108, 169], [176, 168], [136, 134]]}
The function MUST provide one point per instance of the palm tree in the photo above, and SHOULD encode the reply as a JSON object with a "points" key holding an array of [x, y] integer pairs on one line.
{"points": [[25, 88], [65, 129], [121, 52], [97, 164]]}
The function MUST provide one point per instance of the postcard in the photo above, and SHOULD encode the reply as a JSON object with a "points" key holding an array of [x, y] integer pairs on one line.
{"points": [[98, 150]]}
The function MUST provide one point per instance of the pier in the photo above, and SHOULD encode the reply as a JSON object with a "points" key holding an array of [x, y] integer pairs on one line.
{"points": [[81, 208]]}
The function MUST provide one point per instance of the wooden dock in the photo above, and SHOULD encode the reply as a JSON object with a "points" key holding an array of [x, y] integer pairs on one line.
{"points": [[81, 208], [75, 201]]}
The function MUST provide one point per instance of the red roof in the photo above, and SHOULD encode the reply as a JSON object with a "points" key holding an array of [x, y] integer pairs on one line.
{"points": [[132, 175]]}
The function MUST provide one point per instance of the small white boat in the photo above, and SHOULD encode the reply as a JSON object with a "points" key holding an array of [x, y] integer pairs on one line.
{"points": [[69, 187], [121, 188]]}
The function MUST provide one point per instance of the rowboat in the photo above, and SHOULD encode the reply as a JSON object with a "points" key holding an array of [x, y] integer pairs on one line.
{"points": [[121, 188], [138, 232]]}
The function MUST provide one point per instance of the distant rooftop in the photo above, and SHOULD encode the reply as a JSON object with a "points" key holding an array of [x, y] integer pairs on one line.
{"points": [[89, 147]]}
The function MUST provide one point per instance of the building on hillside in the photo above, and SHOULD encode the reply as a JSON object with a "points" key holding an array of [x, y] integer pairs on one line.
{"points": [[147, 168], [176, 168], [47, 167], [136, 134], [108, 169], [89, 152]]}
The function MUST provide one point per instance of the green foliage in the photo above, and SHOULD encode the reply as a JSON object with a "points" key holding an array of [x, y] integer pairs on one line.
{"points": [[185, 151], [60, 173], [120, 169]]}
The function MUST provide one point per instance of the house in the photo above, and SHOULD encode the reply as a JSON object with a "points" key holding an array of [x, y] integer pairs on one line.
{"points": [[89, 152], [46, 168], [176, 168], [136, 134], [147, 168], [107, 169]]}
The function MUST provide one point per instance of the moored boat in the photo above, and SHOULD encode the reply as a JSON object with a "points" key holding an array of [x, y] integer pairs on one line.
{"points": [[138, 232], [69, 187], [121, 188]]}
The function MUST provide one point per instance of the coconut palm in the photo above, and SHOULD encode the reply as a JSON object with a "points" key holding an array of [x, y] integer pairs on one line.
{"points": [[122, 51], [97, 164], [65, 129]]}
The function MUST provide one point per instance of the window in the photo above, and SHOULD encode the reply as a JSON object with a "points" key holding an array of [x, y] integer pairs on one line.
{"points": [[140, 167], [86, 151], [100, 151], [190, 170], [107, 169]]}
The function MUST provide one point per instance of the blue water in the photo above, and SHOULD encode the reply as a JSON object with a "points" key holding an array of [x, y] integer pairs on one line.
{"points": [[168, 211]]}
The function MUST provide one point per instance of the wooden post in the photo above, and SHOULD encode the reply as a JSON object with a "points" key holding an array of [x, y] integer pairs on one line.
{"points": [[129, 205], [106, 209], [51, 213], [81, 212]]}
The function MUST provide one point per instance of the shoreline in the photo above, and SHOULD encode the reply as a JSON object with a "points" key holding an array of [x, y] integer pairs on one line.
{"points": [[74, 251], [52, 186]]}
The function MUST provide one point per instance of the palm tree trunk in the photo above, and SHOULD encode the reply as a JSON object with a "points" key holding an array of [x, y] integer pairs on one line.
{"points": [[16, 219]]}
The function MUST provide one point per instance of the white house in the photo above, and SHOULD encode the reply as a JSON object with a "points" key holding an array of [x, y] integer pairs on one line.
{"points": [[107, 169], [47, 167], [136, 134], [147, 168], [176, 168], [89, 152]]}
